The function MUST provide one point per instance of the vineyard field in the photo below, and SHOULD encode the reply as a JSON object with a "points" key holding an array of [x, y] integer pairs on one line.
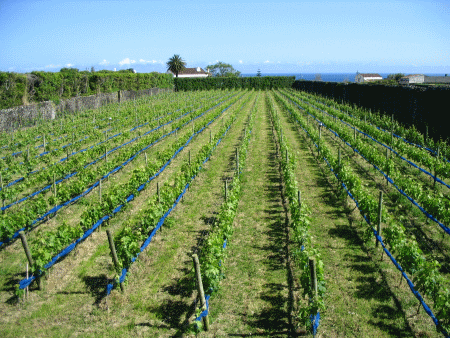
{"points": [[269, 188]]}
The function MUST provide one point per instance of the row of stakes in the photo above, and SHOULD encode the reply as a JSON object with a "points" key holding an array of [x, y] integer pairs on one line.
{"points": [[113, 250], [380, 199]]}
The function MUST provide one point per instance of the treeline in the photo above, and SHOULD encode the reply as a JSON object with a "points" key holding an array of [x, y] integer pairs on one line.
{"points": [[17, 89], [258, 82], [425, 108]]}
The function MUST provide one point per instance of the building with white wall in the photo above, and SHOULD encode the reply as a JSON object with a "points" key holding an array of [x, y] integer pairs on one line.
{"points": [[191, 72], [361, 78]]}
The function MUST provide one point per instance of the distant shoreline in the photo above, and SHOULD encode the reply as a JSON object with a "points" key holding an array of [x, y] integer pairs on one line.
{"points": [[327, 77]]}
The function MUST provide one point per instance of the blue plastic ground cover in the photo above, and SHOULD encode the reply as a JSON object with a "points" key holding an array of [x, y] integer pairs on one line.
{"points": [[110, 287], [410, 284], [426, 213], [25, 282], [395, 152]]}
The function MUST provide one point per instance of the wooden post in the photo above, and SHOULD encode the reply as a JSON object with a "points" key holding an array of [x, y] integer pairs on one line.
{"points": [[339, 157], [29, 257], [106, 155], [189, 156], [100, 190], [299, 196], [146, 159], [28, 153], [354, 133], [3, 200], [435, 169], [200, 290], [44, 144], [226, 190], [157, 190], [237, 161], [312, 270], [26, 290], [114, 254], [387, 161], [380, 203], [54, 185]]}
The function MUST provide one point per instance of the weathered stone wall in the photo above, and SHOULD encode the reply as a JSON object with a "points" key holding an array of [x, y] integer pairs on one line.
{"points": [[437, 79], [27, 115]]}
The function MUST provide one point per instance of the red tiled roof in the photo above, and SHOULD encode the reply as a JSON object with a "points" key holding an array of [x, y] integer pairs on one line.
{"points": [[191, 71], [412, 75]]}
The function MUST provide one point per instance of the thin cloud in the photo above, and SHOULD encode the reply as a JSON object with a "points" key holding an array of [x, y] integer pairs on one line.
{"points": [[147, 61], [267, 61], [126, 61], [241, 62], [52, 66], [104, 63], [70, 65]]}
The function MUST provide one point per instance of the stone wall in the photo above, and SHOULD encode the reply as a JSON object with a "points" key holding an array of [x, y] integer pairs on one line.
{"points": [[437, 79], [28, 115]]}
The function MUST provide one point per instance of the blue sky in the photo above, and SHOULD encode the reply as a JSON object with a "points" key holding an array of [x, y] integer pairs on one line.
{"points": [[275, 36]]}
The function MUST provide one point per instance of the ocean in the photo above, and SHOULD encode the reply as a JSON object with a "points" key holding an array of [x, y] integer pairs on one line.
{"points": [[326, 77]]}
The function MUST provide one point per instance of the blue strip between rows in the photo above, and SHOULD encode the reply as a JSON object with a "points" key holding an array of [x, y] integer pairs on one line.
{"points": [[397, 265]]}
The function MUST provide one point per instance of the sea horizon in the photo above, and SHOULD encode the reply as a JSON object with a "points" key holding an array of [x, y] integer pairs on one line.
{"points": [[327, 77]]}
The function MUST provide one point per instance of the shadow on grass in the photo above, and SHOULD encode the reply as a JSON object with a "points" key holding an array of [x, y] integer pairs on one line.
{"points": [[273, 318], [96, 285], [372, 285]]}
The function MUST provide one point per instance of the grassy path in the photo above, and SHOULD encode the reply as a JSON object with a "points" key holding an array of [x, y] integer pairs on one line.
{"points": [[253, 296], [364, 299]]}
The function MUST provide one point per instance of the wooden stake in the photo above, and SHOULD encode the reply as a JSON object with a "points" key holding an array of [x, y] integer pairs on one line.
{"points": [[157, 190], [3, 200], [54, 185], [299, 196], [29, 257], [26, 290], [339, 157], [312, 271], [435, 169], [146, 159], [200, 290], [44, 144], [189, 156], [226, 190], [100, 191], [380, 204], [114, 254]]}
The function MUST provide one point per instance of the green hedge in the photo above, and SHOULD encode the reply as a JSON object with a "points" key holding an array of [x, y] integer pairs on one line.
{"points": [[17, 89], [208, 83]]}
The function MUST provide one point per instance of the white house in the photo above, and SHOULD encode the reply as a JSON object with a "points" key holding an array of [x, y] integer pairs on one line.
{"points": [[191, 72], [414, 78], [361, 78]]}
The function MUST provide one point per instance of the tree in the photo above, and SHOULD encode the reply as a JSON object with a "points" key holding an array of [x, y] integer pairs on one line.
{"points": [[258, 73], [223, 69], [395, 77], [176, 64]]}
